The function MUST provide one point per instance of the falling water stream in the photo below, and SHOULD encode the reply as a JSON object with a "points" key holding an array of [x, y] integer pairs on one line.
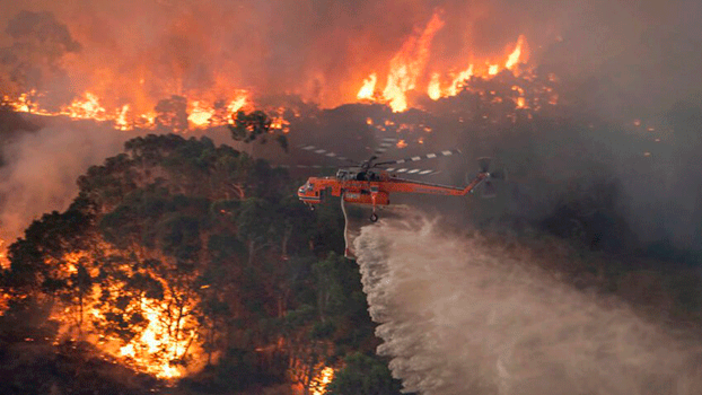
{"points": [[458, 315]]}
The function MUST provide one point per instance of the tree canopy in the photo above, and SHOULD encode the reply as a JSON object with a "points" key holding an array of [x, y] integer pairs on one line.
{"points": [[206, 247]]}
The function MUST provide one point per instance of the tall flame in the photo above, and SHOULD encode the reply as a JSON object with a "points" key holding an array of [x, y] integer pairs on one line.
{"points": [[408, 64], [368, 89], [407, 68], [515, 57], [127, 100], [434, 88], [460, 81]]}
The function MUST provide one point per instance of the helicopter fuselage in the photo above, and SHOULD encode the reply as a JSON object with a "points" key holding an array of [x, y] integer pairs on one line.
{"points": [[373, 187]]}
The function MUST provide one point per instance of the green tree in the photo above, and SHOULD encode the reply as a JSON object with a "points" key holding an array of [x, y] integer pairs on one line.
{"points": [[363, 375]]}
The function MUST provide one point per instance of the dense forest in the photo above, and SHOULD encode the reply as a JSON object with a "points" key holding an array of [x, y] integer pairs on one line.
{"points": [[204, 249], [185, 266]]}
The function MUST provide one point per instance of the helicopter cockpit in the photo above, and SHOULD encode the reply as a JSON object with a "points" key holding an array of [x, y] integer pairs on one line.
{"points": [[357, 175]]}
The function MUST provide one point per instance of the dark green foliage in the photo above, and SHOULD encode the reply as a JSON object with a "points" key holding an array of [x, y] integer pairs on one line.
{"points": [[47, 240], [214, 226], [237, 370], [363, 375]]}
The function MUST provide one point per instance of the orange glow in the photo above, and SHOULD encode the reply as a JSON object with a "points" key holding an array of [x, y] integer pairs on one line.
{"points": [[121, 122], [406, 69], [278, 122], [514, 58], [157, 339], [127, 98], [401, 144], [319, 383], [408, 64], [201, 113], [236, 104], [4, 262], [434, 89], [85, 108], [367, 91], [165, 337], [460, 81]]}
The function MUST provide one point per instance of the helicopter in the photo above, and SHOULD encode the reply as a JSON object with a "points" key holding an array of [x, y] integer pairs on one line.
{"points": [[371, 182]]}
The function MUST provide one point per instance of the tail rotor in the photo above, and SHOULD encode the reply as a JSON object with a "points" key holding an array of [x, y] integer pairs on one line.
{"points": [[488, 185]]}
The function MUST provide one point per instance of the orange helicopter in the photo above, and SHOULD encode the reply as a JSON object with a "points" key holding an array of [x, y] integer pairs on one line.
{"points": [[371, 182]]}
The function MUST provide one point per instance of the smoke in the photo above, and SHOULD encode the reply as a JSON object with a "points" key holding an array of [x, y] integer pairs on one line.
{"points": [[458, 315], [41, 168], [322, 50], [614, 60]]}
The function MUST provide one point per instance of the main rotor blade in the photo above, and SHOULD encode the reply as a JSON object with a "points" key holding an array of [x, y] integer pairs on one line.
{"points": [[308, 167], [384, 145], [419, 172], [420, 157], [325, 152]]}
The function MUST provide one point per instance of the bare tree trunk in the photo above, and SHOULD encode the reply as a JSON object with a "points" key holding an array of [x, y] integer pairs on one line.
{"points": [[252, 251], [286, 238]]}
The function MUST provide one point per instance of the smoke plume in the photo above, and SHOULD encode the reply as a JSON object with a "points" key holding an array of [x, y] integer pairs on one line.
{"points": [[41, 168], [461, 316]]}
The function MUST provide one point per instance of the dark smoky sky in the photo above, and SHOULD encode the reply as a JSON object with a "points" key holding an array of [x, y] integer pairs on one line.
{"points": [[637, 53]]}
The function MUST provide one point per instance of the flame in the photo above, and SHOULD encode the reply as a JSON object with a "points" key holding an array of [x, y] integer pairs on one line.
{"points": [[4, 262], [127, 98], [434, 89], [514, 58], [278, 121], [459, 81], [87, 107], [406, 69], [165, 334], [156, 339], [237, 104], [121, 122], [367, 91], [201, 113], [320, 382], [408, 64]]}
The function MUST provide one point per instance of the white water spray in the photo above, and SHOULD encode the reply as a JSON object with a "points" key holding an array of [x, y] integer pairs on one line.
{"points": [[459, 316]]}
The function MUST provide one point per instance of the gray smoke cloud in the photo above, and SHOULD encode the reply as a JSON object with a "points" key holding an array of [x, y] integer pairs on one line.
{"points": [[41, 168], [460, 316]]}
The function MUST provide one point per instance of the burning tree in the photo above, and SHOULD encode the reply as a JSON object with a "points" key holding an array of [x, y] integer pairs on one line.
{"points": [[177, 253]]}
